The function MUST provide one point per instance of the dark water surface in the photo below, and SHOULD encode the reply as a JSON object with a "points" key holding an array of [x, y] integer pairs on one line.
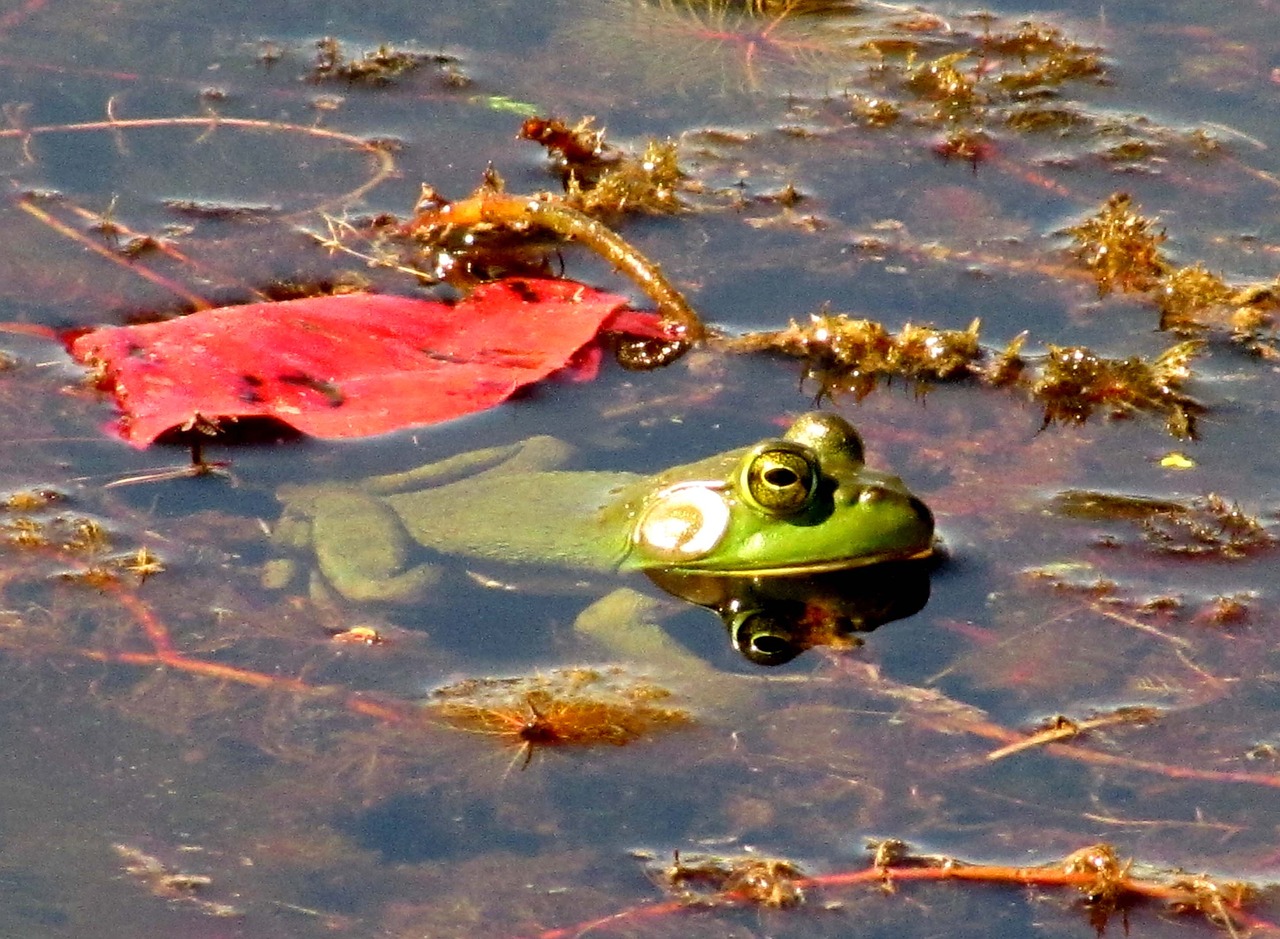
{"points": [[309, 811]]}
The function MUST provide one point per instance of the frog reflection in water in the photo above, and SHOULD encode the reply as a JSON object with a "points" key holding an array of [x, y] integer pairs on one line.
{"points": [[791, 507]]}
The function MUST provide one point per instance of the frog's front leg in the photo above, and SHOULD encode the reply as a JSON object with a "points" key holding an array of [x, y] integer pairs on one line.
{"points": [[363, 550], [625, 624]]}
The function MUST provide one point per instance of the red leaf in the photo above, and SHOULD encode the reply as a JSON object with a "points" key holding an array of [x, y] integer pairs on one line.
{"points": [[344, 366]]}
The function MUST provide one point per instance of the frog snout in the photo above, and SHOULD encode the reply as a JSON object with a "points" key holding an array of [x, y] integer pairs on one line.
{"points": [[910, 512], [922, 512]]}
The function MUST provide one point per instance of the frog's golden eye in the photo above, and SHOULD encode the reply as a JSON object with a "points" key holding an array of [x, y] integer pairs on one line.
{"points": [[779, 478]]}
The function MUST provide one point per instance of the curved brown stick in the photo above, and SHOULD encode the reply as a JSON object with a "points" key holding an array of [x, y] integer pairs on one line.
{"points": [[491, 207]]}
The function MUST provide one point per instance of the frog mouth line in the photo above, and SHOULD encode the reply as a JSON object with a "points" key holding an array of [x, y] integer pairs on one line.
{"points": [[822, 567]]}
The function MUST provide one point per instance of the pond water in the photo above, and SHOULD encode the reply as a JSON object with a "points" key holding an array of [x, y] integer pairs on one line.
{"points": [[189, 752]]}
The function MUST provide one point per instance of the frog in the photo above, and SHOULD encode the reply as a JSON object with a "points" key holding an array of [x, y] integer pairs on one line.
{"points": [[804, 503]]}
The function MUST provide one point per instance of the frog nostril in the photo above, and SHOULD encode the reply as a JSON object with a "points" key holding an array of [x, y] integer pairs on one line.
{"points": [[870, 495]]}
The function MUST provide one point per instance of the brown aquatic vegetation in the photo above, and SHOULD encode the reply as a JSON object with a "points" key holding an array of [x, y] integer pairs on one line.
{"points": [[377, 67], [580, 148], [1194, 299], [600, 179], [715, 880], [942, 81], [647, 183], [965, 76], [1199, 527], [847, 355], [1074, 382], [1107, 884], [1186, 293], [85, 539], [844, 354], [1120, 247], [569, 707], [1050, 58], [31, 500]]}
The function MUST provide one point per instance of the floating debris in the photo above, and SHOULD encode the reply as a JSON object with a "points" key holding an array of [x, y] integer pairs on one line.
{"points": [[170, 883], [1074, 382], [941, 81], [358, 635], [844, 354], [1122, 250], [647, 183], [378, 67], [1186, 292], [850, 355], [565, 707], [1120, 247], [714, 880], [578, 149], [1060, 727], [447, 236], [1207, 526], [31, 500], [600, 179]]}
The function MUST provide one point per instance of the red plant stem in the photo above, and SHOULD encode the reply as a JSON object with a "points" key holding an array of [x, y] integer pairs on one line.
{"points": [[167, 655], [625, 916], [1073, 751], [31, 329], [980, 873]]}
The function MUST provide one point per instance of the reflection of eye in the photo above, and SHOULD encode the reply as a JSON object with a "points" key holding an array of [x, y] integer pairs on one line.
{"points": [[779, 478], [762, 638]]}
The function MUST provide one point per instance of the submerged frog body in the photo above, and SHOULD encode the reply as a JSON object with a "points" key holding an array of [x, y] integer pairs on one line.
{"points": [[800, 504]]}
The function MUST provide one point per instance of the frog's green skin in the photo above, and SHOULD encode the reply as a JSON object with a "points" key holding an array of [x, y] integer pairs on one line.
{"points": [[794, 505]]}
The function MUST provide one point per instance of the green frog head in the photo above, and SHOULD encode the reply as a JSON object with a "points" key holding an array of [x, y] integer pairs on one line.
{"points": [[800, 504]]}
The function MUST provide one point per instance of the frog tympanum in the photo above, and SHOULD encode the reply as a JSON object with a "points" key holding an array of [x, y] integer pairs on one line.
{"points": [[738, 525]]}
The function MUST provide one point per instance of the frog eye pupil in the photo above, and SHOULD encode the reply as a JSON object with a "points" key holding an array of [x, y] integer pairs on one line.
{"points": [[780, 477]]}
